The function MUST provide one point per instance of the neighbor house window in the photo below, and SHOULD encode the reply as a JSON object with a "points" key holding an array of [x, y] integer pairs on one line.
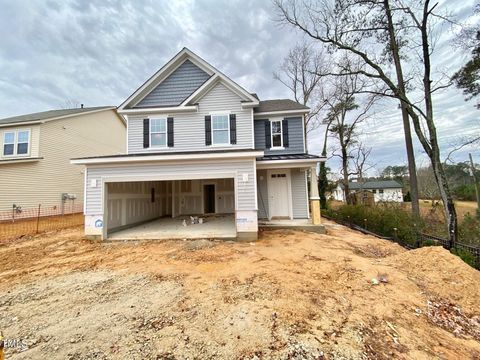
{"points": [[380, 191], [220, 129], [158, 132], [22, 142], [8, 143], [276, 134], [16, 142], [374, 191]]}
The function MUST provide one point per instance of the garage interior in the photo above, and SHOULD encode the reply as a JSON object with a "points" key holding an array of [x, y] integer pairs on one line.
{"points": [[164, 209]]}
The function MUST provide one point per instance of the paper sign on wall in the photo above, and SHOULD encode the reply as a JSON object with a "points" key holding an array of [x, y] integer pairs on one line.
{"points": [[247, 221]]}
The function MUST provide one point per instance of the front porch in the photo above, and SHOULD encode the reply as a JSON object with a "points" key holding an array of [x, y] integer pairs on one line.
{"points": [[295, 224]]}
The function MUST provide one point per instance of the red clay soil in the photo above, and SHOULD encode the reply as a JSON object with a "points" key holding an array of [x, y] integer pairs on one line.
{"points": [[291, 295]]}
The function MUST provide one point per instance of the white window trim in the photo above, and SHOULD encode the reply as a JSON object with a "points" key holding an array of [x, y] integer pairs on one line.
{"points": [[157, 132], [281, 135], [15, 143], [227, 114]]}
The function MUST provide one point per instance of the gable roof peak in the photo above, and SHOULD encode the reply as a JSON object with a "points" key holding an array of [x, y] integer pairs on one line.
{"points": [[171, 66]]}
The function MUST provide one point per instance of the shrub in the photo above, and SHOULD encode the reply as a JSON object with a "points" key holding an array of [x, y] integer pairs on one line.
{"points": [[469, 230], [465, 256], [382, 220]]}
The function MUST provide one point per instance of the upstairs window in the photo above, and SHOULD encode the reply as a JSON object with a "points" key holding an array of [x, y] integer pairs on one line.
{"points": [[220, 129], [22, 142], [8, 143], [158, 132], [16, 142], [277, 134]]}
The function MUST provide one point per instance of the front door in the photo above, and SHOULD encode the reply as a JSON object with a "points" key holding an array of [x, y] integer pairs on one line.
{"points": [[209, 198], [279, 204]]}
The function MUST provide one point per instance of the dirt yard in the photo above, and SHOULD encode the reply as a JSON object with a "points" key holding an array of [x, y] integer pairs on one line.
{"points": [[291, 295]]}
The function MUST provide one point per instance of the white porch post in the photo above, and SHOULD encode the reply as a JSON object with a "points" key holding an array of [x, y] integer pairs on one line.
{"points": [[314, 197]]}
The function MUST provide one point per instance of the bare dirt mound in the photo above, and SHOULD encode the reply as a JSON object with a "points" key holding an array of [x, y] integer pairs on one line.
{"points": [[441, 274], [290, 295]]}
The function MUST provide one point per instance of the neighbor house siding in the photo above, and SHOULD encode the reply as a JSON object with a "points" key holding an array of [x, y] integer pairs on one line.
{"points": [[262, 191], [299, 194], [295, 136], [245, 191], [176, 87], [189, 128], [43, 181]]}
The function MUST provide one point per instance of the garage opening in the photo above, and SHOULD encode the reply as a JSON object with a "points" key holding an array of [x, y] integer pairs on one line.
{"points": [[173, 209]]}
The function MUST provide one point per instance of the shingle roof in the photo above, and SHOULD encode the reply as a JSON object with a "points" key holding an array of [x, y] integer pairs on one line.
{"points": [[45, 115], [381, 184], [289, 157], [279, 105]]}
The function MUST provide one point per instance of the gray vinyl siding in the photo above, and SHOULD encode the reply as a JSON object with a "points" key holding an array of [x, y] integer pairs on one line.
{"points": [[176, 87], [262, 193], [299, 194], [295, 137], [189, 128], [245, 196]]}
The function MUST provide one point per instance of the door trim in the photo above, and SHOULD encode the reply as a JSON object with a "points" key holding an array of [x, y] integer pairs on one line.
{"points": [[289, 191]]}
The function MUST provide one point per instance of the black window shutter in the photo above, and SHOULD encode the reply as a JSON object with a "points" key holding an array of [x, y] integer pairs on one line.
{"points": [[268, 137], [170, 132], [233, 129], [208, 130], [146, 133], [285, 132]]}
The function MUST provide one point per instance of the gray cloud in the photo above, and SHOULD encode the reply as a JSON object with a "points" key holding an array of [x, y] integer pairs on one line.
{"points": [[99, 52]]}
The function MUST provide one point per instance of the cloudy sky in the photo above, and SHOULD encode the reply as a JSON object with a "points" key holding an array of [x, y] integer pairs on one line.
{"points": [[54, 53]]}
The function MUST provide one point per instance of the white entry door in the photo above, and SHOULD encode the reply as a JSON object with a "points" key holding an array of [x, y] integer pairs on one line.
{"points": [[279, 194]]}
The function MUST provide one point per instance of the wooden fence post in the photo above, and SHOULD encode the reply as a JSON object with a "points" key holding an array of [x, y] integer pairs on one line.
{"points": [[38, 218]]}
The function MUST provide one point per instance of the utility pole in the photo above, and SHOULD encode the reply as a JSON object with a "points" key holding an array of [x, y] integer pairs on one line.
{"points": [[475, 180]]}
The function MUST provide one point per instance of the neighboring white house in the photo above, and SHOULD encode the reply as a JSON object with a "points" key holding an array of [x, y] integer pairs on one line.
{"points": [[387, 190], [198, 143]]}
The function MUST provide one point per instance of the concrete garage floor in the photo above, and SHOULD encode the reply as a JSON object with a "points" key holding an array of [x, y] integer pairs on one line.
{"points": [[214, 226]]}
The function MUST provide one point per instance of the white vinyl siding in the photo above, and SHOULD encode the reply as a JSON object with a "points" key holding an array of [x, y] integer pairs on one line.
{"points": [[299, 194], [189, 129]]}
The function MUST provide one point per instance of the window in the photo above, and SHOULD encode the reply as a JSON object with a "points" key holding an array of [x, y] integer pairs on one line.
{"points": [[158, 132], [276, 134], [380, 191], [374, 191], [8, 143], [220, 129], [16, 142], [22, 142]]}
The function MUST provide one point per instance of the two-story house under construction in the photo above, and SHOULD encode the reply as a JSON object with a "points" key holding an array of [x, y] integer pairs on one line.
{"points": [[198, 144]]}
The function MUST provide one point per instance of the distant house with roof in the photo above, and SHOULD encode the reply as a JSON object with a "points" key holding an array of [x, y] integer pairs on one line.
{"points": [[383, 190], [35, 152]]}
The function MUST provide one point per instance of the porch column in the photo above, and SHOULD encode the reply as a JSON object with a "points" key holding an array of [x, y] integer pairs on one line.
{"points": [[314, 197]]}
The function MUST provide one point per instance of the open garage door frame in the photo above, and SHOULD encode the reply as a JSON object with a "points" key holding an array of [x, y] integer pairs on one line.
{"points": [[162, 177]]}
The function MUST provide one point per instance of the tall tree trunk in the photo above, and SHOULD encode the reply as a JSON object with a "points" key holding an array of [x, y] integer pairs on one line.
{"points": [[448, 204], [346, 188], [440, 176], [412, 168]]}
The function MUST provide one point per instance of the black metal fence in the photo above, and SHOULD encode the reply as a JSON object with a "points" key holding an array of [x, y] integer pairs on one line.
{"points": [[463, 250]]}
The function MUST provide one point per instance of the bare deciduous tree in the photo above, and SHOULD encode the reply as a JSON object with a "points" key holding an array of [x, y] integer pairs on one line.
{"points": [[344, 117], [361, 28], [302, 72]]}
